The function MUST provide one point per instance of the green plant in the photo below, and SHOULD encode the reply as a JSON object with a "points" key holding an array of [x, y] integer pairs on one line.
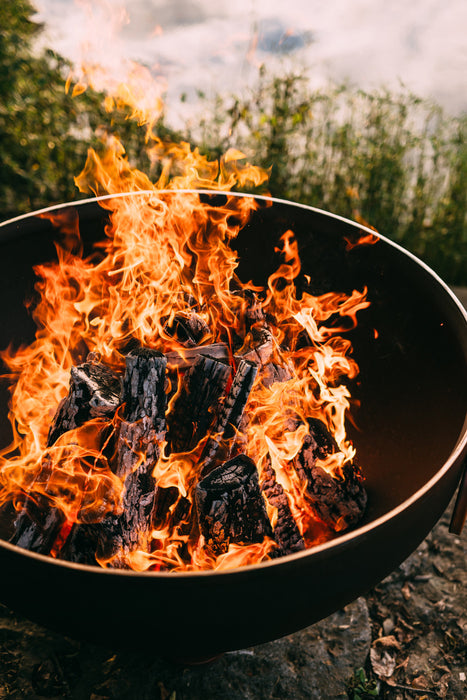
{"points": [[360, 688], [392, 160]]}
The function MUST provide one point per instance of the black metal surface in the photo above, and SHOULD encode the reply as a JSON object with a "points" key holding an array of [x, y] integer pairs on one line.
{"points": [[410, 434]]}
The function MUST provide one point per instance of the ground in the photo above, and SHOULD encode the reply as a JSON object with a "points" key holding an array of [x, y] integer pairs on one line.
{"points": [[408, 636]]}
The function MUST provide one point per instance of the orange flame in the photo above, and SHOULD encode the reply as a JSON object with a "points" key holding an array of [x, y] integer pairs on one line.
{"points": [[159, 252]]}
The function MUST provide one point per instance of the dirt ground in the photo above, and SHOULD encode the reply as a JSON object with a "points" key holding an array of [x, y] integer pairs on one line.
{"points": [[405, 640]]}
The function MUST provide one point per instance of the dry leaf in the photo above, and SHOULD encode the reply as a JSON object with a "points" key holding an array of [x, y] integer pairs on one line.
{"points": [[382, 662], [420, 682], [387, 642]]}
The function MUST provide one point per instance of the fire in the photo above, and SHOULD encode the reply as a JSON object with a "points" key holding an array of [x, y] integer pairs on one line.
{"points": [[164, 257]]}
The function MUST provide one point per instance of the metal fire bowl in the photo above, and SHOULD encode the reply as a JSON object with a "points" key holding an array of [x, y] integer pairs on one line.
{"points": [[410, 434]]}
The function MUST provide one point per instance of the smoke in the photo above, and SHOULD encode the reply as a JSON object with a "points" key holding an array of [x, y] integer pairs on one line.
{"points": [[198, 45]]}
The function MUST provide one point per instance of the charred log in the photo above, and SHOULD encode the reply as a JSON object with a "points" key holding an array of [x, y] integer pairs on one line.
{"points": [[81, 544], [38, 523], [141, 430], [286, 532], [259, 346], [339, 501], [186, 357], [218, 446], [94, 392], [231, 507], [274, 372], [193, 410], [188, 328]]}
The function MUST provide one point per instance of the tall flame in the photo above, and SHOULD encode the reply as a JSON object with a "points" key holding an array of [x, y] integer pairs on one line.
{"points": [[164, 255]]}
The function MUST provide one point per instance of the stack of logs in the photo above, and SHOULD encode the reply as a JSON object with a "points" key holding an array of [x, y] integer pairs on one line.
{"points": [[228, 503]]}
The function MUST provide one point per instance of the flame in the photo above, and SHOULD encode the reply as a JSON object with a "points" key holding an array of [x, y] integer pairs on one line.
{"points": [[162, 256], [158, 252]]}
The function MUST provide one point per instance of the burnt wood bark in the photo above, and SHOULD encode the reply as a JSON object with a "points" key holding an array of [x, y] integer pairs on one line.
{"points": [[38, 523], [188, 328], [193, 410], [219, 444], [81, 544], [339, 501], [141, 431], [94, 392], [231, 507], [187, 356], [137, 450], [286, 532]]}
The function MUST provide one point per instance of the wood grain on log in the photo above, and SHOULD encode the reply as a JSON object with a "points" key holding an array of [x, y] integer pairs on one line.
{"points": [[339, 501], [194, 408], [94, 391], [286, 532], [218, 446], [231, 507]]}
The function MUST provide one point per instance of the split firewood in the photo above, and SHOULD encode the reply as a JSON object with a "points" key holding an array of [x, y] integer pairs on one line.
{"points": [[188, 328], [94, 392], [339, 501], [219, 444], [38, 523], [274, 372], [258, 347], [137, 451], [286, 532], [185, 357], [231, 507], [188, 422], [194, 407], [141, 431]]}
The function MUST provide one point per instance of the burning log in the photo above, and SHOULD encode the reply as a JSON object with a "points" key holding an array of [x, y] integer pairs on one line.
{"points": [[231, 507], [274, 372], [192, 414], [185, 357], [188, 328], [140, 432], [259, 347], [218, 446], [38, 524], [339, 501], [142, 429], [94, 392], [286, 532]]}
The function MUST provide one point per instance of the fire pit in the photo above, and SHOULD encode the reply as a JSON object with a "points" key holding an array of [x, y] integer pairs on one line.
{"points": [[408, 430]]}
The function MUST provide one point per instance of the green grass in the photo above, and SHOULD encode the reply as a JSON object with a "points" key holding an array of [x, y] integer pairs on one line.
{"points": [[394, 161]]}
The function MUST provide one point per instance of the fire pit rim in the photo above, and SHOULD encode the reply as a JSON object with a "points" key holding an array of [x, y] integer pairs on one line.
{"points": [[457, 453]]}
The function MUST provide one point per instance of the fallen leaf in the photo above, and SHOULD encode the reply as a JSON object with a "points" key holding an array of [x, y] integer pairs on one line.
{"points": [[382, 662], [387, 642], [420, 682]]}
